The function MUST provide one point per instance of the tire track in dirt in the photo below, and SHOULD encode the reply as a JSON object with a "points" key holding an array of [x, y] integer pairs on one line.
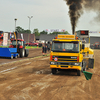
{"points": [[32, 53], [34, 81]]}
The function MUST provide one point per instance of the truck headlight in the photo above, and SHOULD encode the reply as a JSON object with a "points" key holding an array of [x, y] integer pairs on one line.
{"points": [[77, 64], [52, 63]]}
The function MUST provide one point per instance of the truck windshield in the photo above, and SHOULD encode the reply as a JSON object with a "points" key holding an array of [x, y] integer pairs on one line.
{"points": [[71, 47], [18, 43]]}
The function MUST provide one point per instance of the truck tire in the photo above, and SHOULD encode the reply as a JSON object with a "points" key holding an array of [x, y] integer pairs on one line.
{"points": [[22, 53], [54, 71], [16, 57], [26, 52], [78, 72]]}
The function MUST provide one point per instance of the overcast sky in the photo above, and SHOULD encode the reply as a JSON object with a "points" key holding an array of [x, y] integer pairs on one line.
{"points": [[47, 14]]}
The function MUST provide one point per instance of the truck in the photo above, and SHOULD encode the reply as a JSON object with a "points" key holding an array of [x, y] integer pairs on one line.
{"points": [[68, 52]]}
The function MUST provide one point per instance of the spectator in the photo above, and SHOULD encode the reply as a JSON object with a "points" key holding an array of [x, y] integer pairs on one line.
{"points": [[44, 50], [48, 46], [83, 41]]}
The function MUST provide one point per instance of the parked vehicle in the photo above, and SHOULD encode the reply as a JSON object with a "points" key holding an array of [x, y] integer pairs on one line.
{"points": [[96, 45], [32, 44]]}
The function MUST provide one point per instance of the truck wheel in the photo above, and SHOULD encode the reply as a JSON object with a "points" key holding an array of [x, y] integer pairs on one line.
{"points": [[26, 55], [22, 53], [16, 56], [54, 71], [26, 52], [78, 72]]}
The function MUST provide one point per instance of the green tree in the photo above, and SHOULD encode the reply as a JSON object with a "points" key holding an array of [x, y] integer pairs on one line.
{"points": [[36, 32], [19, 29], [27, 31], [43, 32]]}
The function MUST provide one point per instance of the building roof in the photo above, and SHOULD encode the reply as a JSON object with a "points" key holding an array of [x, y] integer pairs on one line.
{"points": [[47, 37], [94, 34]]}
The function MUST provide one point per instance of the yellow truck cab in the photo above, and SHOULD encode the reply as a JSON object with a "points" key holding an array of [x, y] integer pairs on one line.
{"points": [[67, 53]]}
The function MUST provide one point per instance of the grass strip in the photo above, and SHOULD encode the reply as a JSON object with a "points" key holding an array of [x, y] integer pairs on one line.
{"points": [[30, 47], [27, 47]]}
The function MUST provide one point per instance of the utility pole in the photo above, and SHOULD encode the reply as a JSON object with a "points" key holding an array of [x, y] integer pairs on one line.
{"points": [[15, 32], [29, 26], [15, 23]]}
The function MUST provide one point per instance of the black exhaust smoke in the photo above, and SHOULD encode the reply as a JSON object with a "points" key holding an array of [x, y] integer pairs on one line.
{"points": [[93, 5], [76, 10]]}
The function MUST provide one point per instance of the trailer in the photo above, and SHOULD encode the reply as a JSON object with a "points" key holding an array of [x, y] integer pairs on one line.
{"points": [[8, 52]]}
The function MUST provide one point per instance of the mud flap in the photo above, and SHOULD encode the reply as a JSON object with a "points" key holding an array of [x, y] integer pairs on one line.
{"points": [[91, 63]]}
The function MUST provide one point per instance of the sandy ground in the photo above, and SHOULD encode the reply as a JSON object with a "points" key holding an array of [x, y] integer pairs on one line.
{"points": [[31, 79]]}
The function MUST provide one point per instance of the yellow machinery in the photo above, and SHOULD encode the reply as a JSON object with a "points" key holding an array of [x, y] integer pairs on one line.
{"points": [[68, 52]]}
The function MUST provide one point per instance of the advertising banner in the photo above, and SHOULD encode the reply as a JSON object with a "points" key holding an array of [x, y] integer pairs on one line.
{"points": [[22, 36], [5, 39], [55, 30], [94, 31]]}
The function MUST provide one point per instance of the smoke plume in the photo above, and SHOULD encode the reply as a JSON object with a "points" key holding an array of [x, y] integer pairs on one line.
{"points": [[93, 5], [76, 10]]}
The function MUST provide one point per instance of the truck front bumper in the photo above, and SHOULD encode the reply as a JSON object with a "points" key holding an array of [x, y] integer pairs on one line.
{"points": [[63, 65]]}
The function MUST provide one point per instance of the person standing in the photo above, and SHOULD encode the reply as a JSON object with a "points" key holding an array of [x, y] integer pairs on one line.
{"points": [[46, 50], [48, 46], [83, 41], [43, 49]]}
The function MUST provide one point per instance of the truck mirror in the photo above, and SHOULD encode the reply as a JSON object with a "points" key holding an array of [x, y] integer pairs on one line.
{"points": [[83, 46]]}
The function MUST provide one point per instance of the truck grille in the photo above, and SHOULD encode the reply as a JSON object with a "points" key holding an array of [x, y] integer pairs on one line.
{"points": [[66, 58], [64, 66]]}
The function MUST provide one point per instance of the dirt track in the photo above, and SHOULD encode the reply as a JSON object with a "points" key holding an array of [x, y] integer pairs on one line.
{"points": [[32, 80]]}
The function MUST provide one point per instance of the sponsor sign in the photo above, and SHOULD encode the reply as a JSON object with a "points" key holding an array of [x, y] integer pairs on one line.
{"points": [[55, 30], [94, 31], [22, 36], [66, 36], [5, 39]]}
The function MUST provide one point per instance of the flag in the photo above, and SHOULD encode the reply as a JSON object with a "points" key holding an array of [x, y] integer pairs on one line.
{"points": [[88, 75], [10, 35], [22, 36]]}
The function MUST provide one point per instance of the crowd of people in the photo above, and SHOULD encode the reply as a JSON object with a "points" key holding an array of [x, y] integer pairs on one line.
{"points": [[45, 48]]}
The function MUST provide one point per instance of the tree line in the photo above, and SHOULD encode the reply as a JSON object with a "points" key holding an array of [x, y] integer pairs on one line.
{"points": [[36, 31]]}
